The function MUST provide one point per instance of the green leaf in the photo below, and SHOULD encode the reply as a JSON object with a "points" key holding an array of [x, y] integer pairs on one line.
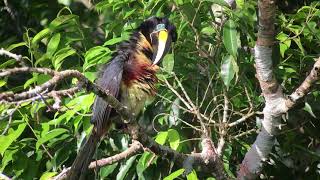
{"points": [[174, 175], [226, 156], [113, 41], [61, 55], [42, 78], [208, 30], [2, 83], [211, 178], [8, 156], [91, 76], [298, 42], [143, 164], [230, 38], [125, 168], [30, 81], [7, 140], [84, 102], [168, 62], [228, 69], [7, 63], [308, 108], [13, 46], [285, 43], [47, 175], [42, 34], [53, 44], [96, 55], [107, 170], [174, 138], [50, 135], [240, 4], [59, 21], [129, 13], [192, 175], [161, 137], [190, 12]]}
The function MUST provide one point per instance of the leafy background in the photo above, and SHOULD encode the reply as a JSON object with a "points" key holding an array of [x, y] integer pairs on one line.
{"points": [[211, 58]]}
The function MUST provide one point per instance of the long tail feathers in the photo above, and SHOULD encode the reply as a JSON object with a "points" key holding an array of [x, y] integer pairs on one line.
{"points": [[84, 157]]}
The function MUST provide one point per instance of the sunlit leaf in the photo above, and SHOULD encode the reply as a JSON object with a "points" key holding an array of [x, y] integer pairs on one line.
{"points": [[50, 135], [192, 175], [53, 44], [230, 37], [2, 83], [125, 168], [308, 108], [113, 41], [174, 138], [30, 81], [143, 164], [174, 175], [8, 157], [61, 20], [96, 55], [60, 56], [228, 69], [47, 175], [7, 140], [161, 137], [42, 34], [168, 62], [13, 46]]}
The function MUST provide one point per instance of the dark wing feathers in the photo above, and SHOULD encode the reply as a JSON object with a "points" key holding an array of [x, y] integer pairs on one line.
{"points": [[109, 79]]}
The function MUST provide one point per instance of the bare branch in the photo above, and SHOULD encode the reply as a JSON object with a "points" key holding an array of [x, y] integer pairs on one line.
{"points": [[57, 77], [243, 119], [10, 120], [4, 177], [135, 148], [305, 87], [7, 53], [223, 125]]}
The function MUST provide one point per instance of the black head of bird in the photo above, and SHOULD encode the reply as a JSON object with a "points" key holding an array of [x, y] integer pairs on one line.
{"points": [[159, 32]]}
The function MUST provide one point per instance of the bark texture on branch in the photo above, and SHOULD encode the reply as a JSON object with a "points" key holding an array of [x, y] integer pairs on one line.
{"points": [[276, 103], [135, 148]]}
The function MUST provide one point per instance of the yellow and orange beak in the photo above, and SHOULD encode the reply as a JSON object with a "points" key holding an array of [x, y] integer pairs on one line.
{"points": [[161, 49], [162, 46]]}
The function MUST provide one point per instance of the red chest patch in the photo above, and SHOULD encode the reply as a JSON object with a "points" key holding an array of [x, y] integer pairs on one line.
{"points": [[139, 68]]}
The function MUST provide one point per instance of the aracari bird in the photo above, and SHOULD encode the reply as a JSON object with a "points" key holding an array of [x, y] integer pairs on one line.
{"points": [[130, 76]]}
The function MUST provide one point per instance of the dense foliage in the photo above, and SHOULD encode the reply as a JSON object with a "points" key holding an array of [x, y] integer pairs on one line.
{"points": [[212, 59]]}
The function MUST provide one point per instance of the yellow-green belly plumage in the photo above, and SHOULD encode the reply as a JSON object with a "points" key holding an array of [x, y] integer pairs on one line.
{"points": [[136, 96]]}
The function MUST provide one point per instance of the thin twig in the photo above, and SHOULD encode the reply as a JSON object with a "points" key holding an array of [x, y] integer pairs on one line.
{"points": [[135, 148], [222, 126], [4, 177], [243, 119], [10, 119]]}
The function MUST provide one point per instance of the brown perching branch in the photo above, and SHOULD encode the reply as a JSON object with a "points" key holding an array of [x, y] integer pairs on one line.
{"points": [[135, 148]]}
